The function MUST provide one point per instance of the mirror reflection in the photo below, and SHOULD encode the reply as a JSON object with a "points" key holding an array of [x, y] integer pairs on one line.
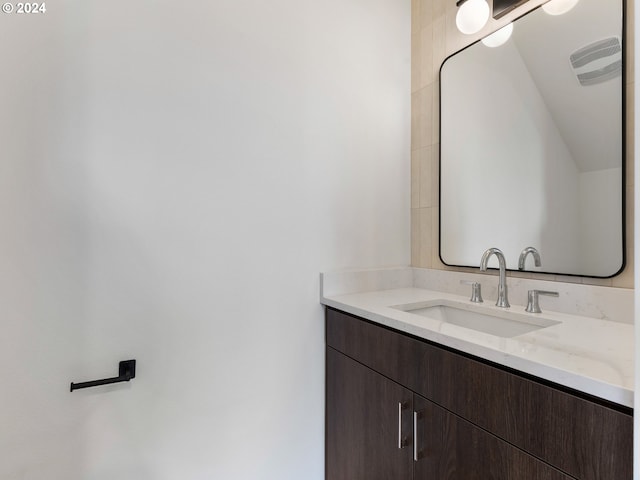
{"points": [[532, 144]]}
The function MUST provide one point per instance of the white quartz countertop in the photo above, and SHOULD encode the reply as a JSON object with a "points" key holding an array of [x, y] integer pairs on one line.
{"points": [[591, 355]]}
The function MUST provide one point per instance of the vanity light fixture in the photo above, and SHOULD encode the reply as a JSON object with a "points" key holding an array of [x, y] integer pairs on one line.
{"points": [[499, 37], [472, 15], [558, 7], [502, 7]]}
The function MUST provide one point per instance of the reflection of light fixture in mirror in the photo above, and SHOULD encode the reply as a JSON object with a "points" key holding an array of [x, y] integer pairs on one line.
{"points": [[472, 15], [499, 37], [502, 7], [558, 7]]}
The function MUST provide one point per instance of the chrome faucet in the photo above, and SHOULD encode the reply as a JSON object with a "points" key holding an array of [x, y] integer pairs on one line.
{"points": [[523, 257], [503, 301]]}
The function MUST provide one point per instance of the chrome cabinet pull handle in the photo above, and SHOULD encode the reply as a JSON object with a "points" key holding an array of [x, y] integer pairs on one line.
{"points": [[400, 443], [415, 436]]}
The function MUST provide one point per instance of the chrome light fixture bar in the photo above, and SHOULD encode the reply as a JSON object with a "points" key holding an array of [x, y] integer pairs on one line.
{"points": [[502, 7]]}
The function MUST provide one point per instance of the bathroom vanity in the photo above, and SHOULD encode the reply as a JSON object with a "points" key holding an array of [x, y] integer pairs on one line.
{"points": [[423, 382], [420, 398]]}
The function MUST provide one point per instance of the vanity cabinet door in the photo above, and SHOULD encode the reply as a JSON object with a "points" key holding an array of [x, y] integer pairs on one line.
{"points": [[367, 415], [448, 447]]}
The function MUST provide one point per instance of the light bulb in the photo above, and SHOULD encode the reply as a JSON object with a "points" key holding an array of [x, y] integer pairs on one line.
{"points": [[558, 7], [472, 16], [499, 37]]}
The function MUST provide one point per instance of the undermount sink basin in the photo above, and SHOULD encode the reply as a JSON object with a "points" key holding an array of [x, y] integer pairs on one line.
{"points": [[502, 324]]}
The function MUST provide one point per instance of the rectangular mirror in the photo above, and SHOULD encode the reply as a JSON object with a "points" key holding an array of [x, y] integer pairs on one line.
{"points": [[532, 144]]}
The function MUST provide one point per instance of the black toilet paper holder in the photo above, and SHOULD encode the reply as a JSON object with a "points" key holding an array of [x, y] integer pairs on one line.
{"points": [[126, 371]]}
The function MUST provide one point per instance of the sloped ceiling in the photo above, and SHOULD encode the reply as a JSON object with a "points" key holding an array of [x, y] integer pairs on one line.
{"points": [[589, 118]]}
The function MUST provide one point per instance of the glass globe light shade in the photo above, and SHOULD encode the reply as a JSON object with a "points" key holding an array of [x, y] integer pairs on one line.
{"points": [[472, 16], [499, 37], [558, 7]]}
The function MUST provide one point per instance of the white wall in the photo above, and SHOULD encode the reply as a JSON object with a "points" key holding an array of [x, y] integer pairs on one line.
{"points": [[174, 177]]}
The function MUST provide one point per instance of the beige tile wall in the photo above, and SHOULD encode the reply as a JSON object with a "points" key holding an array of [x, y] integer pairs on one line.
{"points": [[434, 37]]}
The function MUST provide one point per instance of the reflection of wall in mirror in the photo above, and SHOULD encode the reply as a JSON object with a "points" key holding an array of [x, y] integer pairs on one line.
{"points": [[529, 171], [596, 202], [588, 118], [500, 198]]}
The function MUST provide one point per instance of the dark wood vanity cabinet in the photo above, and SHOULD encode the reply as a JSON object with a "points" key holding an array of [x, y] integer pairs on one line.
{"points": [[398, 407], [367, 415]]}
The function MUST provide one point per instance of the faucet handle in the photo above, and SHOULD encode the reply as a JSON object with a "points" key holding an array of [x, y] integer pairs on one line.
{"points": [[476, 290], [533, 304]]}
